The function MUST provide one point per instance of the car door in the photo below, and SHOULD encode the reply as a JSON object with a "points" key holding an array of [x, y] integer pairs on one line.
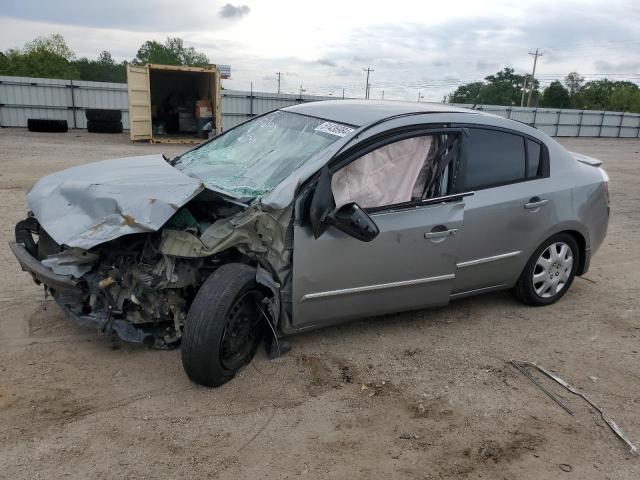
{"points": [[511, 208], [410, 264]]}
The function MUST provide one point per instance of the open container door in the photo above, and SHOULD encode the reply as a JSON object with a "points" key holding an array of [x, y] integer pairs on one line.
{"points": [[139, 102], [174, 91]]}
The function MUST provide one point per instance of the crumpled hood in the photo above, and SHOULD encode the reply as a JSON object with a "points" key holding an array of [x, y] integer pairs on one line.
{"points": [[90, 204]]}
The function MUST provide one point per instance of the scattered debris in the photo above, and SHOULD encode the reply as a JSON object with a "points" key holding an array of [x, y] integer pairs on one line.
{"points": [[345, 373], [565, 467], [408, 436], [609, 421], [593, 379], [410, 352], [486, 452]]}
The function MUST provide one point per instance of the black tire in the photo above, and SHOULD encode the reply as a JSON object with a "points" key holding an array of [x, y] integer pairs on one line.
{"points": [[209, 329], [47, 125], [102, 115], [525, 290], [95, 126]]}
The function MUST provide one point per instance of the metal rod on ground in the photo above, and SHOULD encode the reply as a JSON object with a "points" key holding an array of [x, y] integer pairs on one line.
{"points": [[537, 384], [609, 421], [612, 425]]}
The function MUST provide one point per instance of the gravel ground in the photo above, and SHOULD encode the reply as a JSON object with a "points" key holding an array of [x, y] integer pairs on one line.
{"points": [[420, 395]]}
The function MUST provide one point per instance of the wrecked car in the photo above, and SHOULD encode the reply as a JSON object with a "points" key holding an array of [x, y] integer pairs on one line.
{"points": [[309, 216]]}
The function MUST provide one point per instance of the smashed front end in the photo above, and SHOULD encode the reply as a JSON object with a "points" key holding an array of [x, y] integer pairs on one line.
{"points": [[128, 256], [128, 284]]}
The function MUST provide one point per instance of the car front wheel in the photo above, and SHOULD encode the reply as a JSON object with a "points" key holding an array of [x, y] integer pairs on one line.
{"points": [[224, 325], [549, 272]]}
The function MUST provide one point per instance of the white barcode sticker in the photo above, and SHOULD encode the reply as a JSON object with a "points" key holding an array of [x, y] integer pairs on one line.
{"points": [[334, 129]]}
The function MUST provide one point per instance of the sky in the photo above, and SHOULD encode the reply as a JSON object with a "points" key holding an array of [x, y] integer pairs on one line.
{"points": [[416, 48]]}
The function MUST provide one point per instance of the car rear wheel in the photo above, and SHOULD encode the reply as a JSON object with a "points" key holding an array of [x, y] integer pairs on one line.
{"points": [[224, 325], [549, 272]]}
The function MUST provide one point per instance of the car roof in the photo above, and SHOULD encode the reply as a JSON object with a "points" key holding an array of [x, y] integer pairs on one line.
{"points": [[363, 112]]}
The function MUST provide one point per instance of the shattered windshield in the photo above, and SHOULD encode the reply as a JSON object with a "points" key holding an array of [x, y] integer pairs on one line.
{"points": [[254, 157]]}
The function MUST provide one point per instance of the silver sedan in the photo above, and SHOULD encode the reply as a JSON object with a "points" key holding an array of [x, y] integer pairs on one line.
{"points": [[308, 216]]}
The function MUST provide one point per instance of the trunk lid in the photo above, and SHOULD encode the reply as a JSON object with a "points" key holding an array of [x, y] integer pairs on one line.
{"points": [[594, 162]]}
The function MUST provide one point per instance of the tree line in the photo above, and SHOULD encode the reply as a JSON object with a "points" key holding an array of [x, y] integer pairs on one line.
{"points": [[505, 88], [51, 57]]}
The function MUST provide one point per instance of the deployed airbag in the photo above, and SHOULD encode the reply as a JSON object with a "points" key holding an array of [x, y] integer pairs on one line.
{"points": [[385, 176]]}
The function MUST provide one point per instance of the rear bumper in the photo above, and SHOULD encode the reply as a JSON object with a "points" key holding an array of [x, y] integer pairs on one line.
{"points": [[42, 274]]}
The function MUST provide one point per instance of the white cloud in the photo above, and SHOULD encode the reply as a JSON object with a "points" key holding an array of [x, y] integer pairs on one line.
{"points": [[412, 45]]}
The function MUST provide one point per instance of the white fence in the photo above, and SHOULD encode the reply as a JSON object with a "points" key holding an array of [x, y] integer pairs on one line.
{"points": [[22, 98]]}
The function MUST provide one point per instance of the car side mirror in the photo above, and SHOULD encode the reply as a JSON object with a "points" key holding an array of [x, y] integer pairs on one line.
{"points": [[353, 221]]}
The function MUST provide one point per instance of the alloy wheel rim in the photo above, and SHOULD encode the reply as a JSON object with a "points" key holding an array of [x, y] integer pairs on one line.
{"points": [[552, 270]]}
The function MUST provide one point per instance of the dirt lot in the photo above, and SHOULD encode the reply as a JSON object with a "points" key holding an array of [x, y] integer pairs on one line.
{"points": [[419, 395]]}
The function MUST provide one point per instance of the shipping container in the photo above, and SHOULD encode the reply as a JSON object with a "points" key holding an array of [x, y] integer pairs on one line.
{"points": [[163, 99]]}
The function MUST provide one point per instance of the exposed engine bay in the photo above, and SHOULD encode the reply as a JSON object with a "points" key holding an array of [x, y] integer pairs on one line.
{"points": [[141, 285]]}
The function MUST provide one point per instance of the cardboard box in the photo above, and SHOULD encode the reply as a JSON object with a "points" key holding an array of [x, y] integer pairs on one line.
{"points": [[204, 109]]}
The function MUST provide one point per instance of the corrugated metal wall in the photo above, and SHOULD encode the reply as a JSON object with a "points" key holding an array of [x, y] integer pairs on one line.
{"points": [[239, 106], [23, 97], [571, 123]]}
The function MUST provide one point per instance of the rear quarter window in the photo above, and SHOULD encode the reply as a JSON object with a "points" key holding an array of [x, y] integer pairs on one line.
{"points": [[534, 151], [494, 158]]}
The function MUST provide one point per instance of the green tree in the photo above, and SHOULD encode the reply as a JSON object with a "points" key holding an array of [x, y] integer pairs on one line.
{"points": [[468, 93], [556, 96], [501, 88], [624, 97], [171, 52], [574, 83], [104, 69], [43, 57]]}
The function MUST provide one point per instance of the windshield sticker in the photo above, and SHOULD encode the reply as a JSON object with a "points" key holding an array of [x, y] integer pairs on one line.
{"points": [[334, 129]]}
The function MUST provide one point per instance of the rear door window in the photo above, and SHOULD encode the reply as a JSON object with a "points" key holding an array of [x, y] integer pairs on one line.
{"points": [[533, 158], [494, 158]]}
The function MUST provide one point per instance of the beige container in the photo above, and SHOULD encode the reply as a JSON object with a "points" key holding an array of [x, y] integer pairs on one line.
{"points": [[149, 87]]}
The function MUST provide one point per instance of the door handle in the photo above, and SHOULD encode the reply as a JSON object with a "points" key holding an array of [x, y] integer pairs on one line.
{"points": [[535, 203], [441, 234]]}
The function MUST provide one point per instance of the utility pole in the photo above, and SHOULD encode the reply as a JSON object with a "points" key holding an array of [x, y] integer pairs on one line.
{"points": [[366, 88], [302, 90], [343, 93], [524, 88], [382, 94], [420, 96], [279, 75], [533, 75]]}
